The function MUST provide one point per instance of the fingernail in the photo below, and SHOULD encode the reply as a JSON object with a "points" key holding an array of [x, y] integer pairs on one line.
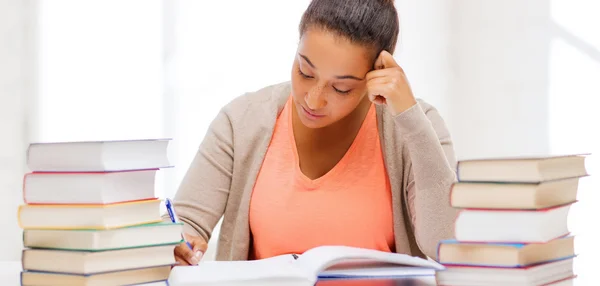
{"points": [[199, 255], [194, 260]]}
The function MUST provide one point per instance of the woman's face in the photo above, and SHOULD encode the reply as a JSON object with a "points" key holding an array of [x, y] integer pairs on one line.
{"points": [[328, 77]]}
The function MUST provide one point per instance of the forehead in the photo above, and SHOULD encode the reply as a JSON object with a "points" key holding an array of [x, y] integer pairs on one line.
{"points": [[333, 53]]}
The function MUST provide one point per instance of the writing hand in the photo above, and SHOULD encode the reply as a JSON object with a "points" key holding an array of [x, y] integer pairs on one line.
{"points": [[186, 256]]}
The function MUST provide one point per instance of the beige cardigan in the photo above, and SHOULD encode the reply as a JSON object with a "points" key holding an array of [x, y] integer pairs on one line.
{"points": [[417, 149]]}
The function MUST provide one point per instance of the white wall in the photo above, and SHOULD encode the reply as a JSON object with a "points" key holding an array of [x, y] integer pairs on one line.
{"points": [[423, 49], [17, 83], [498, 103], [101, 72]]}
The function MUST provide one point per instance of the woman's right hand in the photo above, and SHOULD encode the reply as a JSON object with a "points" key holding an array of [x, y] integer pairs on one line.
{"points": [[186, 256]]}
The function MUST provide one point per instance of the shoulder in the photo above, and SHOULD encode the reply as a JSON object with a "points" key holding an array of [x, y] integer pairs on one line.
{"points": [[252, 114]]}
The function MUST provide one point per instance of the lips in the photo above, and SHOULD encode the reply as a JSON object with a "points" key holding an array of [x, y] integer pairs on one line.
{"points": [[310, 114]]}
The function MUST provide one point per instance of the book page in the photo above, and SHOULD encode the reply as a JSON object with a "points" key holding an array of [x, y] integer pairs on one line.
{"points": [[319, 259], [278, 267]]}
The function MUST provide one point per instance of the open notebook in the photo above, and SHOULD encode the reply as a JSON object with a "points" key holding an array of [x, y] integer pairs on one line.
{"points": [[320, 262]]}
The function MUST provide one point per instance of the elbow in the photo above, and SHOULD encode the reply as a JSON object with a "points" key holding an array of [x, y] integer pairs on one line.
{"points": [[428, 245]]}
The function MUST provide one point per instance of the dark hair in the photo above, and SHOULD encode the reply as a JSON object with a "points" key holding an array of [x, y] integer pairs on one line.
{"points": [[373, 23]]}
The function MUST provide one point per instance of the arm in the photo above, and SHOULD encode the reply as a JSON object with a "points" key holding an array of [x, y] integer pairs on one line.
{"points": [[431, 174], [201, 199]]}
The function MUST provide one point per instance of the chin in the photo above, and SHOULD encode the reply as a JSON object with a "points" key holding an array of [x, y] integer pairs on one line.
{"points": [[313, 123]]}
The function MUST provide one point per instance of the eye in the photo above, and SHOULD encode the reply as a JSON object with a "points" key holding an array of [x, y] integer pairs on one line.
{"points": [[303, 74], [341, 91]]}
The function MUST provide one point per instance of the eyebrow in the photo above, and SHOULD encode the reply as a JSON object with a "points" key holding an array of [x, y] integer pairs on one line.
{"points": [[338, 77]]}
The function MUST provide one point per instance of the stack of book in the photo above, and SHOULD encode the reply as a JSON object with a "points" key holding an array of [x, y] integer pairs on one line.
{"points": [[512, 228], [91, 216]]}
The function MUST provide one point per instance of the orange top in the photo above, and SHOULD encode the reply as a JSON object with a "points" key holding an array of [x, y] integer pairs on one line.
{"points": [[350, 205]]}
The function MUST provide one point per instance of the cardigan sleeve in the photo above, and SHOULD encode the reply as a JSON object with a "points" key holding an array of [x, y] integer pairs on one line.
{"points": [[430, 173], [202, 196]]}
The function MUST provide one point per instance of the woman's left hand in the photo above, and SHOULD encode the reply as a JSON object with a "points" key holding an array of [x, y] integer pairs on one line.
{"points": [[388, 85]]}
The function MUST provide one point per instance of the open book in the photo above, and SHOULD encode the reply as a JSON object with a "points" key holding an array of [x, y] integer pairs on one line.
{"points": [[320, 262]]}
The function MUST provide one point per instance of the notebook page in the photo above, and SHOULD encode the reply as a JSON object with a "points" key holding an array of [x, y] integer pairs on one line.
{"points": [[217, 272], [319, 259]]}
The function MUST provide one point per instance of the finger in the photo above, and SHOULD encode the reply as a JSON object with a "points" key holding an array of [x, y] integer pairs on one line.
{"points": [[374, 82], [378, 73], [377, 89], [377, 98], [199, 249], [395, 72], [377, 94], [386, 60], [184, 252], [181, 262]]}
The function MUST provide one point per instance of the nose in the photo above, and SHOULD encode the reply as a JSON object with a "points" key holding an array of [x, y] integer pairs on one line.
{"points": [[315, 98]]}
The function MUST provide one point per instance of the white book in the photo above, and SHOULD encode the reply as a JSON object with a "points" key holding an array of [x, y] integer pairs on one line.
{"points": [[89, 187], [524, 169], [557, 273], [513, 226], [98, 156], [319, 262]]}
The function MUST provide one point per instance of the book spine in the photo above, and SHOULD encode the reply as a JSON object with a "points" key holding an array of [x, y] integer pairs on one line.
{"points": [[23, 259], [450, 195], [19, 222], [24, 187]]}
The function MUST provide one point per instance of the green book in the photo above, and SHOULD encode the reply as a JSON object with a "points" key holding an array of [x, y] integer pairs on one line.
{"points": [[144, 235]]}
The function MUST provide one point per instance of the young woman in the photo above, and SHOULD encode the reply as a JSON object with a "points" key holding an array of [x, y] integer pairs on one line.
{"points": [[343, 154]]}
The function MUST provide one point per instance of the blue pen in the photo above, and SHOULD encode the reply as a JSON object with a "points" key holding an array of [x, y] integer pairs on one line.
{"points": [[174, 219]]}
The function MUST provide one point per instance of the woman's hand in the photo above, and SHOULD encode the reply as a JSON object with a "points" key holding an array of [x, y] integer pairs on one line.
{"points": [[388, 85], [186, 256]]}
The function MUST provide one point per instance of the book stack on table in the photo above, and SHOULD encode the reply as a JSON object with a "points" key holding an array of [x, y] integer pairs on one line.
{"points": [[512, 228], [91, 216]]}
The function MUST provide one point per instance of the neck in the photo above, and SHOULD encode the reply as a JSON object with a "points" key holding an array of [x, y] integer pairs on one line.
{"points": [[347, 126]]}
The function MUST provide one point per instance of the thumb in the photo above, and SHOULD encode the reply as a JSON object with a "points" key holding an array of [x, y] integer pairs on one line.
{"points": [[385, 60], [198, 248]]}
